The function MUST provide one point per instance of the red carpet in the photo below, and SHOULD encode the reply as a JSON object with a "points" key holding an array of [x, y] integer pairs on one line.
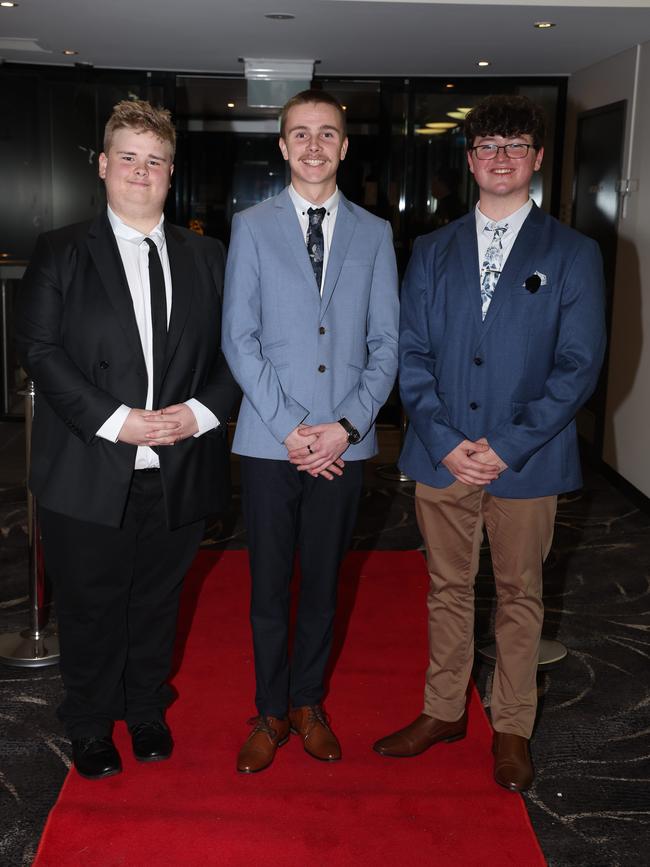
{"points": [[439, 809]]}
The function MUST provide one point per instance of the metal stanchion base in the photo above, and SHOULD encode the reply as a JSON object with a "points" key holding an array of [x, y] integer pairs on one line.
{"points": [[551, 653], [22, 649], [393, 473]]}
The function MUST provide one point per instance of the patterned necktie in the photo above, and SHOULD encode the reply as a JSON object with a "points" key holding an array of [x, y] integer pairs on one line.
{"points": [[315, 242], [158, 315], [491, 267]]}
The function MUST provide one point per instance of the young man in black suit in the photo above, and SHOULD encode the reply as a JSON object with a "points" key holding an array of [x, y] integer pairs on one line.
{"points": [[119, 326]]}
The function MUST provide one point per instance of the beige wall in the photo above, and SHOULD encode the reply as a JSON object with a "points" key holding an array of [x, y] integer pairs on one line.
{"points": [[627, 431]]}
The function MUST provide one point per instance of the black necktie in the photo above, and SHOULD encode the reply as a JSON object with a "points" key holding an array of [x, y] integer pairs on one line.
{"points": [[315, 242], [158, 315]]}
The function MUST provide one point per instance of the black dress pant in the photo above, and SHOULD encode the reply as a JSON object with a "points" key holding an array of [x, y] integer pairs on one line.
{"points": [[116, 592], [286, 509]]}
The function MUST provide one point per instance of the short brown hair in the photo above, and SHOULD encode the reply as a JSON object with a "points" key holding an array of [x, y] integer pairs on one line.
{"points": [[313, 96], [506, 115], [139, 115]]}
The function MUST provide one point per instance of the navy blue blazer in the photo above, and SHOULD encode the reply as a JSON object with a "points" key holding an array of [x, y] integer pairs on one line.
{"points": [[518, 377]]}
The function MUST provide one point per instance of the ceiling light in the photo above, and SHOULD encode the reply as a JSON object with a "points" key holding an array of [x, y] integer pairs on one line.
{"points": [[441, 124], [7, 4], [69, 52], [422, 130], [457, 115], [450, 86], [544, 25], [483, 63], [279, 16], [231, 105], [344, 107]]}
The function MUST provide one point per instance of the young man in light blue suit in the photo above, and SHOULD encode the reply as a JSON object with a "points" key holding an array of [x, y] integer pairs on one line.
{"points": [[310, 330], [501, 342]]}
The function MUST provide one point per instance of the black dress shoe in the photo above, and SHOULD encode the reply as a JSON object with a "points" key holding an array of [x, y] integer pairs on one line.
{"points": [[152, 741], [95, 758]]}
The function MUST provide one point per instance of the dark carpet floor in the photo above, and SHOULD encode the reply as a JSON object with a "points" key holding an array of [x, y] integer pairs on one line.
{"points": [[590, 804]]}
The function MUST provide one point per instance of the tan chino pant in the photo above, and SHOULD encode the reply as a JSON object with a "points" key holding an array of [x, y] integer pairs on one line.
{"points": [[520, 533]]}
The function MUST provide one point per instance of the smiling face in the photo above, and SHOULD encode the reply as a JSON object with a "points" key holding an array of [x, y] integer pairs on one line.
{"points": [[313, 144], [504, 182], [137, 172]]}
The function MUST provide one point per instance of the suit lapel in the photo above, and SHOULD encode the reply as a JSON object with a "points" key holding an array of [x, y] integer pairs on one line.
{"points": [[517, 266], [343, 231], [183, 272], [286, 213], [108, 262], [466, 253]]}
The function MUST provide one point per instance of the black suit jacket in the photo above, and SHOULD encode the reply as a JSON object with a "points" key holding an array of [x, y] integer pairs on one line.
{"points": [[78, 339]]}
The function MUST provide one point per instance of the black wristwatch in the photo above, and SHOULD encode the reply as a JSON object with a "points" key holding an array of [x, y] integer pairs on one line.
{"points": [[353, 434]]}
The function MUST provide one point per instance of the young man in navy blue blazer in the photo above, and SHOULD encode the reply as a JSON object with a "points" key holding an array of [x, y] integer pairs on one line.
{"points": [[501, 341]]}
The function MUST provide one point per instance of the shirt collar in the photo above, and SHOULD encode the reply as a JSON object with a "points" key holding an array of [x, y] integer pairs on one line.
{"points": [[127, 233], [515, 221], [301, 204]]}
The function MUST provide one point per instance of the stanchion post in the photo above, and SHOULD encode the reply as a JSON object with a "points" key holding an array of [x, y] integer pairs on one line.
{"points": [[36, 646]]}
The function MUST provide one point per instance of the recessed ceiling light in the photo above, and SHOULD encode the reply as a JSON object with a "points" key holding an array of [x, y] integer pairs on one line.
{"points": [[449, 86], [7, 4], [422, 130], [69, 52], [279, 16], [483, 63], [441, 124], [544, 25], [344, 107], [458, 115], [231, 105]]}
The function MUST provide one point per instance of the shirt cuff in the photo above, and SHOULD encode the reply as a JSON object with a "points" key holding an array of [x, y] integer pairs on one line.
{"points": [[111, 428], [205, 418]]}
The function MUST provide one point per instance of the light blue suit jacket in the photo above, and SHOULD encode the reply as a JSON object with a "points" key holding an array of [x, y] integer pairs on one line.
{"points": [[299, 357], [518, 377]]}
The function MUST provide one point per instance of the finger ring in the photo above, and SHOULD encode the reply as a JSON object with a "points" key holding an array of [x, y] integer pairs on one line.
{"points": [[309, 450]]}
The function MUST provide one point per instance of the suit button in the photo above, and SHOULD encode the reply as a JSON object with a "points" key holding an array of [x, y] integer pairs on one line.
{"points": [[321, 368], [104, 365], [478, 361], [473, 405], [321, 330]]}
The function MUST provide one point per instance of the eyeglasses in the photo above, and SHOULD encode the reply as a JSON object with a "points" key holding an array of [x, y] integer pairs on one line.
{"points": [[514, 150]]}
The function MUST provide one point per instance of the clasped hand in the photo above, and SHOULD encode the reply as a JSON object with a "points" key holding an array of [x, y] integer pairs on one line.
{"points": [[158, 427], [474, 463], [317, 449]]}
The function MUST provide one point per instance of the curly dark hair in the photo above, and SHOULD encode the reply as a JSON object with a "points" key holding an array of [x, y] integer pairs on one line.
{"points": [[506, 115]]}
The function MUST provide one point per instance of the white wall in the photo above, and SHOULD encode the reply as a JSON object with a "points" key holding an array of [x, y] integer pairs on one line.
{"points": [[627, 430]]}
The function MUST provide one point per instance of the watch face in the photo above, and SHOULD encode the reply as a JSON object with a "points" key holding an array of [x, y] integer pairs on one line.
{"points": [[353, 436]]}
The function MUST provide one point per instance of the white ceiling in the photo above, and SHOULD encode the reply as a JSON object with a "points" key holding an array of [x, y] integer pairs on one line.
{"points": [[348, 37]]}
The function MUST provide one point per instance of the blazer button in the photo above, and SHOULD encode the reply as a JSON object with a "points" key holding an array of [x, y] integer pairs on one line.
{"points": [[321, 330], [478, 361], [104, 365], [473, 405], [321, 368]]}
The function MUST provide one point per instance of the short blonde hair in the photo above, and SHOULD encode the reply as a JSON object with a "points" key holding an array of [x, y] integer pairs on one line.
{"points": [[139, 115]]}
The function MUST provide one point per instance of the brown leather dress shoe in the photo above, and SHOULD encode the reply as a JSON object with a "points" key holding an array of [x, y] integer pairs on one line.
{"points": [[258, 752], [421, 734], [318, 738], [513, 768]]}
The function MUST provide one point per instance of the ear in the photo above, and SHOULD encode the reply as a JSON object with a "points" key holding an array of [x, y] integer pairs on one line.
{"points": [[344, 148], [283, 148], [469, 162], [539, 156], [102, 161]]}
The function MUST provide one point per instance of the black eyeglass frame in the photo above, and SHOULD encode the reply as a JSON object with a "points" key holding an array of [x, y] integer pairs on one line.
{"points": [[494, 150]]}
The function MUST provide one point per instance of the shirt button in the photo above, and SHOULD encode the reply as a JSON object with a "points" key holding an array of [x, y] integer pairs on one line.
{"points": [[104, 365], [473, 405], [478, 361], [321, 330], [321, 368]]}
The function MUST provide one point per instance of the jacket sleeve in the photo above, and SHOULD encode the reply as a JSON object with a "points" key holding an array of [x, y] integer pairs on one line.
{"points": [[361, 405], [241, 337], [417, 357], [82, 406], [579, 351]]}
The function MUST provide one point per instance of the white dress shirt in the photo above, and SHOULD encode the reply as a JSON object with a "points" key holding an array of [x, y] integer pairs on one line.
{"points": [[329, 220], [134, 253], [515, 222]]}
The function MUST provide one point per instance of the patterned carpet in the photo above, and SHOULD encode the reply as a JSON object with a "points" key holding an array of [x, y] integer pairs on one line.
{"points": [[590, 804]]}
